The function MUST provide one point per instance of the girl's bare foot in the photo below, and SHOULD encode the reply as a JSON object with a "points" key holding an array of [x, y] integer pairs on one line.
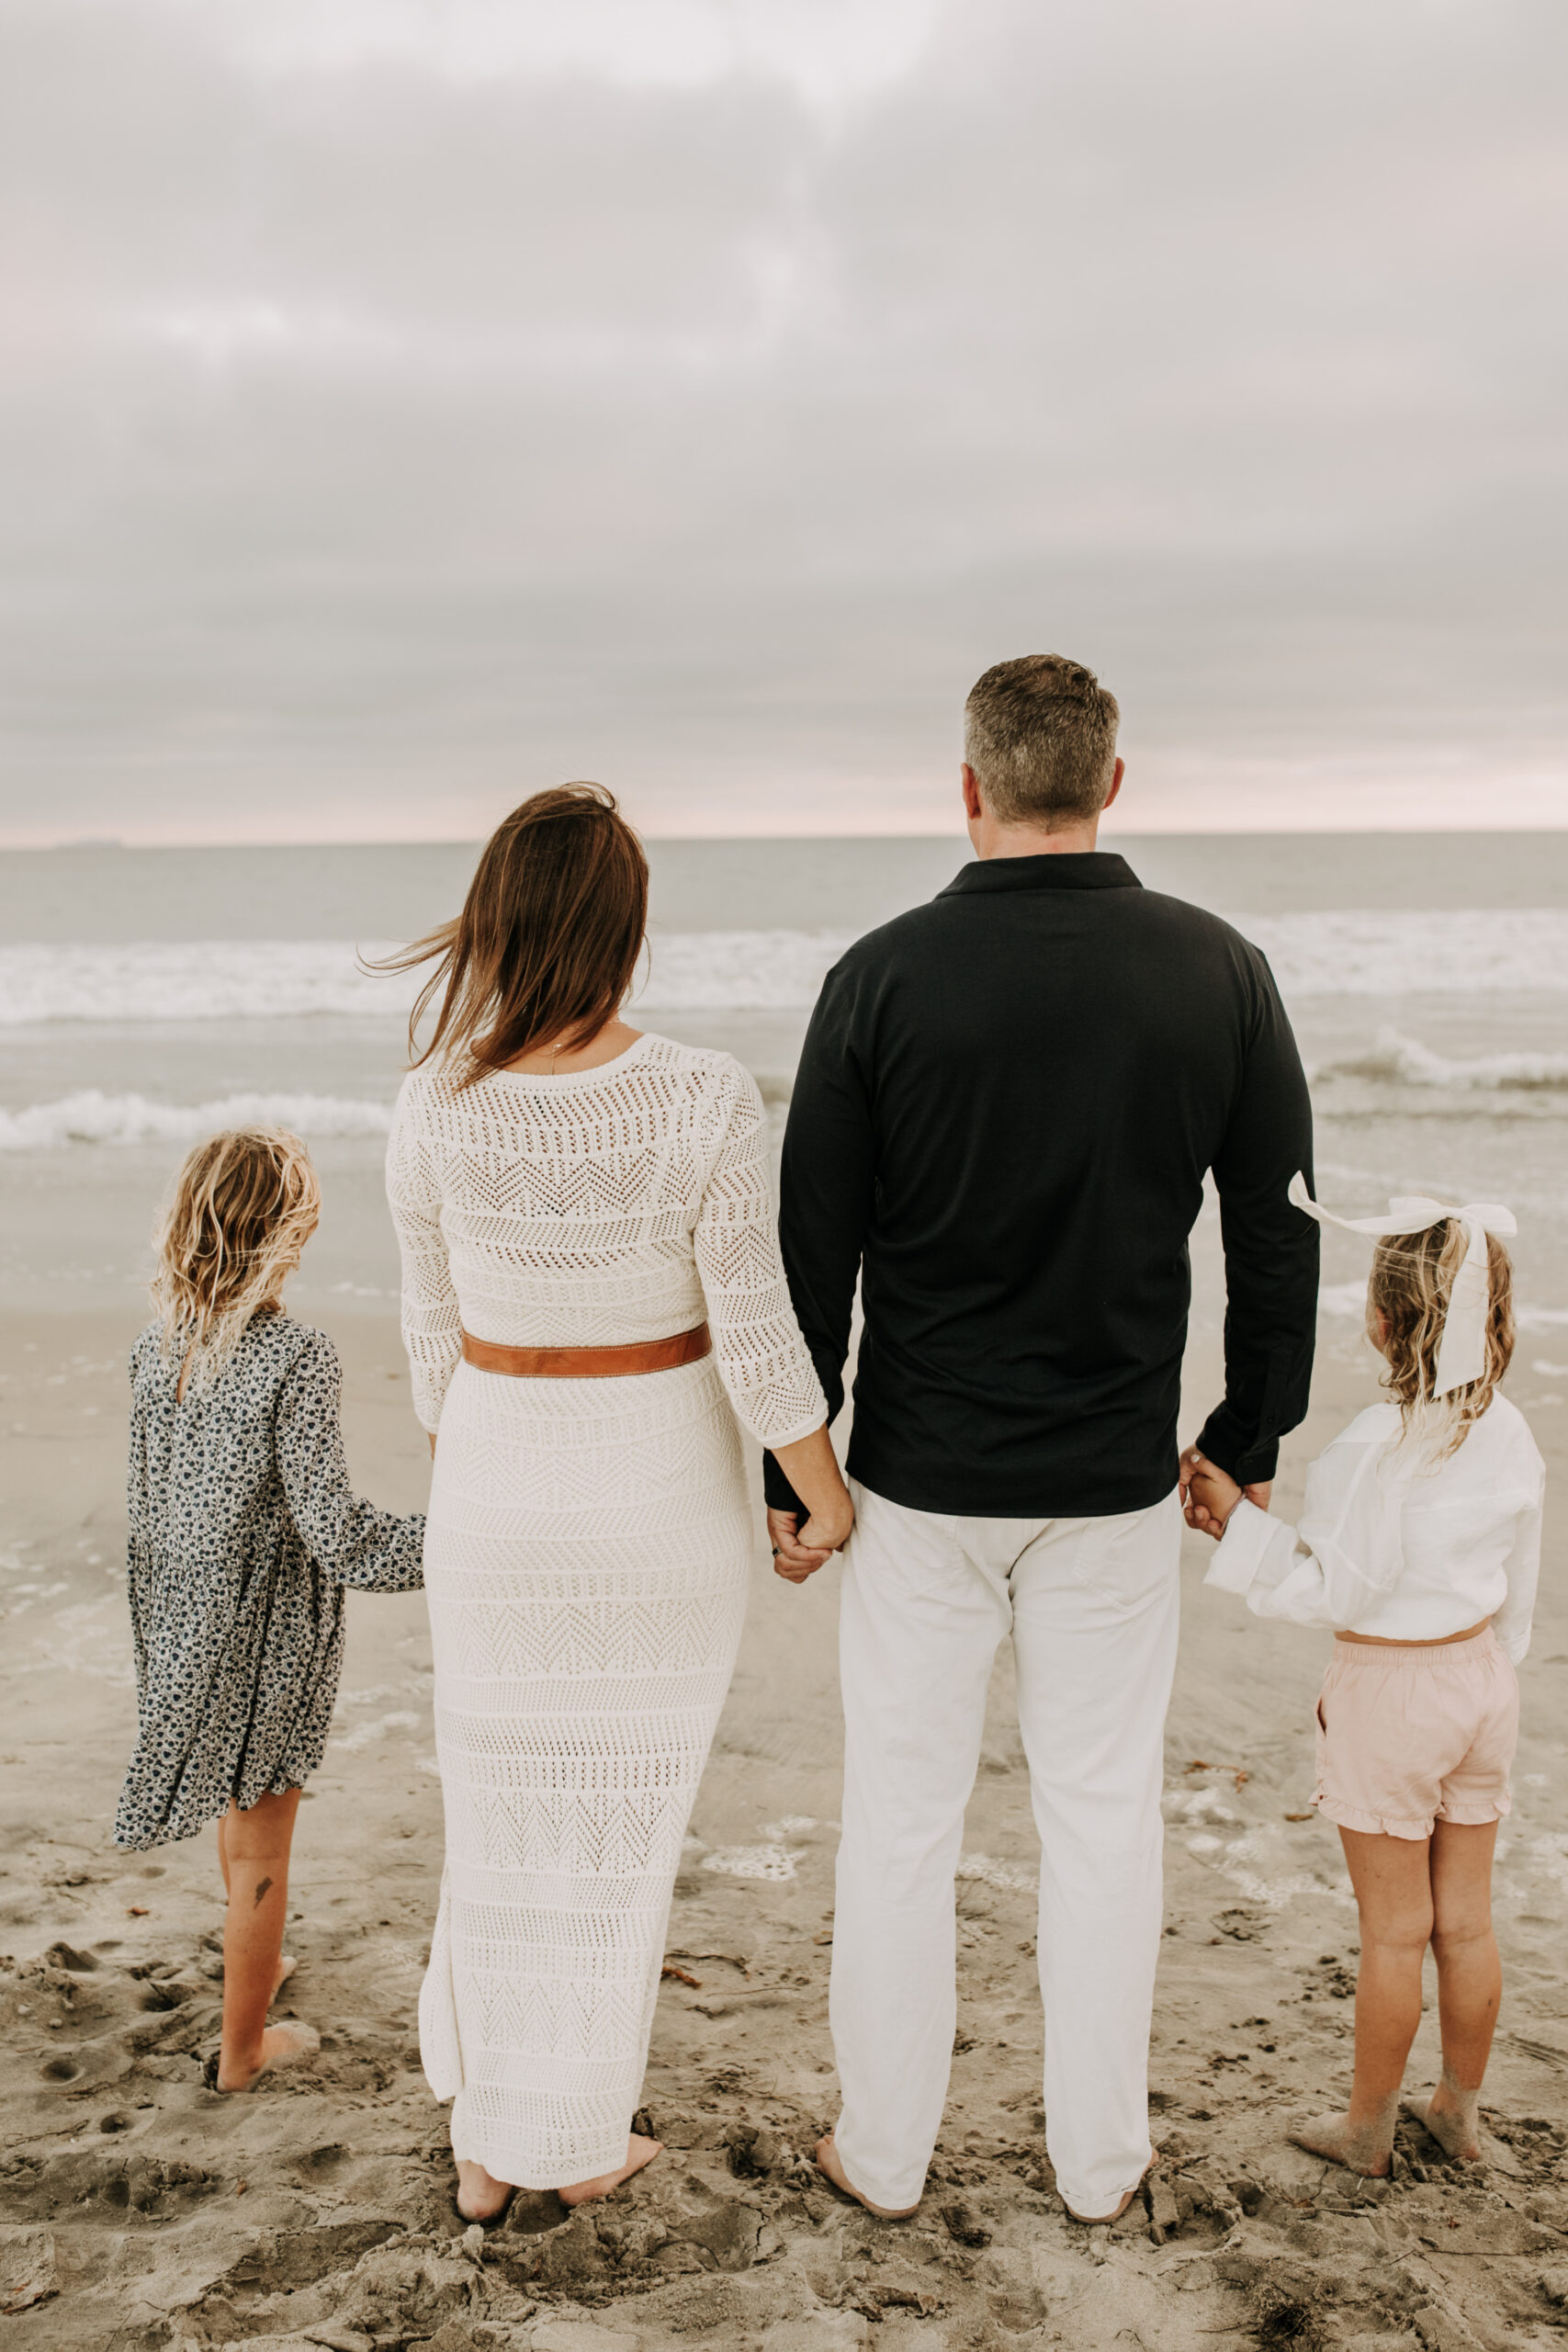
{"points": [[1454, 2119], [1366, 2148], [828, 2162], [481, 2197], [640, 2151], [1103, 2220], [281, 2045]]}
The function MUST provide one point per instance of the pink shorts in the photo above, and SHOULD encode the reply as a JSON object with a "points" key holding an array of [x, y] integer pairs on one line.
{"points": [[1410, 1734]]}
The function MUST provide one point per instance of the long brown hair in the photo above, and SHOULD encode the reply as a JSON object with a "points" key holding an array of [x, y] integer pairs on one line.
{"points": [[1412, 1283], [243, 1207], [547, 944]]}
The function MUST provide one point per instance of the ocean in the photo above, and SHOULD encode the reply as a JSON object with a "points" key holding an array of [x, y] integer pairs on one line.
{"points": [[147, 996]]}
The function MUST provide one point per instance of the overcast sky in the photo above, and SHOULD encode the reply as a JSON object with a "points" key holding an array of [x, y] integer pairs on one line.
{"points": [[406, 403]]}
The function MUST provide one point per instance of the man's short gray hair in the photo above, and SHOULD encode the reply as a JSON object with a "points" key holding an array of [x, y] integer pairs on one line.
{"points": [[1040, 733]]}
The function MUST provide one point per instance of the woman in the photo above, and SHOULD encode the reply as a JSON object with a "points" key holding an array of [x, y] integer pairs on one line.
{"points": [[592, 1298]]}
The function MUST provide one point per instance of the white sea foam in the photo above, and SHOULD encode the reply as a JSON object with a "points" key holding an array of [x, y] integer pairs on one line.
{"points": [[1357, 952], [96, 1117], [1008, 1876], [774, 1862]]}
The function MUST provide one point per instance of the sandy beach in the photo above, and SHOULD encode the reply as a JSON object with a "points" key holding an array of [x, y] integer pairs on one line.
{"points": [[142, 2210]]}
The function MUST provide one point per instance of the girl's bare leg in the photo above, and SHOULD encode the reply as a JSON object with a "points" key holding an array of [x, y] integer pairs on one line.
{"points": [[253, 1848], [287, 1963], [1392, 1880], [1469, 1982]]}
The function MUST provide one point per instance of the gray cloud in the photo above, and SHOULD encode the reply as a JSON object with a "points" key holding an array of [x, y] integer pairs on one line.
{"points": [[393, 424]]}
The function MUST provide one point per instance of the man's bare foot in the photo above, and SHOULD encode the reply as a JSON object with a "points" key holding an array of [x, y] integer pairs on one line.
{"points": [[286, 1968], [1453, 2119], [1103, 2220], [828, 2162], [640, 2151], [1364, 2148], [281, 2045], [481, 2197]]}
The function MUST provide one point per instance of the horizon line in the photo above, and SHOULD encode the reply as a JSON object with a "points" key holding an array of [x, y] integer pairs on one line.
{"points": [[81, 841]]}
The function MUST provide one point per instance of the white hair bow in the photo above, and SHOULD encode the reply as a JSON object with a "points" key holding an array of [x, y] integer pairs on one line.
{"points": [[1461, 1351]]}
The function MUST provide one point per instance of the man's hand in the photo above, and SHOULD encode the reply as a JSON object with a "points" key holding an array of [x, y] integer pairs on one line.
{"points": [[793, 1560], [1193, 1465]]}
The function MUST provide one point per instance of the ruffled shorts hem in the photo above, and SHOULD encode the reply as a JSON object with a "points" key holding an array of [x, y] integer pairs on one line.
{"points": [[1371, 1825], [1416, 1828]]}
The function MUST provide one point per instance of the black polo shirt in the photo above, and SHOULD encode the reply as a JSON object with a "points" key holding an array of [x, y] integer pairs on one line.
{"points": [[1005, 1109]]}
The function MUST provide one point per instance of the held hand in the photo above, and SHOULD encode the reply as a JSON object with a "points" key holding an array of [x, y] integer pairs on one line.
{"points": [[1259, 1493], [799, 1552], [1209, 1495]]}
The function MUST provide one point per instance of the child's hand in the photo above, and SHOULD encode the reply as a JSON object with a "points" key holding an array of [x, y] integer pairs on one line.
{"points": [[1211, 1496]]}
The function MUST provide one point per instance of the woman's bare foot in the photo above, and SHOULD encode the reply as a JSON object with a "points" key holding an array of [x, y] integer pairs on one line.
{"points": [[640, 2151], [481, 2197], [828, 2162], [286, 1968], [281, 2045], [1454, 2119], [1366, 2148], [1103, 2220]]}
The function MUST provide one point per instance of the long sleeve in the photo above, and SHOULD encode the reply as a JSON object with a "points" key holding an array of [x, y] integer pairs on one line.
{"points": [[1513, 1622], [829, 1187], [432, 1332], [1346, 1551], [1271, 1251], [762, 1358], [348, 1539]]}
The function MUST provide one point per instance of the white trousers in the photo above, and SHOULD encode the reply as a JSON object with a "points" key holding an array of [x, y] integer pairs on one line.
{"points": [[1092, 1605]]}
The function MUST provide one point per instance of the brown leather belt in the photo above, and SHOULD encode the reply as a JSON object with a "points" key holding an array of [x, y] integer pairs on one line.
{"points": [[589, 1364]]}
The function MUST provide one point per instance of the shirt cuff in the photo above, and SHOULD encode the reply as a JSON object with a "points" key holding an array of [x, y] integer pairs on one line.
{"points": [[1249, 1462], [777, 1492], [1239, 1553]]}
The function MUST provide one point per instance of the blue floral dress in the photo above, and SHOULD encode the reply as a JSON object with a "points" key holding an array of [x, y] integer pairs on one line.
{"points": [[245, 1530]]}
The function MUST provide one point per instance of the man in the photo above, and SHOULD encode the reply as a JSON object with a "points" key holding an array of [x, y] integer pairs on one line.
{"points": [[1007, 1104]]}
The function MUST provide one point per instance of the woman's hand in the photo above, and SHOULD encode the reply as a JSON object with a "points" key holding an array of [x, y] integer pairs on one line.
{"points": [[812, 1468], [799, 1552]]}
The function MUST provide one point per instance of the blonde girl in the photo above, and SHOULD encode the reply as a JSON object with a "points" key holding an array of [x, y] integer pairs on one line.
{"points": [[1419, 1543], [244, 1532]]}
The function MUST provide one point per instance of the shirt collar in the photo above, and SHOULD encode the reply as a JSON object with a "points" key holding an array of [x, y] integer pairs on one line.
{"points": [[1093, 869]]}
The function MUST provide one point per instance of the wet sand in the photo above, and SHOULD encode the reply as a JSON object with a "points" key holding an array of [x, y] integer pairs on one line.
{"points": [[139, 2209]]}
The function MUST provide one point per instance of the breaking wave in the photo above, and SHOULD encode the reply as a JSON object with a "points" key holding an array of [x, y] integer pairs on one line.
{"points": [[1490, 951], [1398, 1061], [94, 1117]]}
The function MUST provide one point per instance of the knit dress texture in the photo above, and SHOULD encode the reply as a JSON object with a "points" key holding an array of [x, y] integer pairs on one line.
{"points": [[245, 1530], [587, 1556]]}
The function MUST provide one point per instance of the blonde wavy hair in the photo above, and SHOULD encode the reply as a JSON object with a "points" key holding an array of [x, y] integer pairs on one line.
{"points": [[242, 1209], [1407, 1304]]}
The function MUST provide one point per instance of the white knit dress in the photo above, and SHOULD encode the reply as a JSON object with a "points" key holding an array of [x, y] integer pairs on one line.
{"points": [[586, 1555]]}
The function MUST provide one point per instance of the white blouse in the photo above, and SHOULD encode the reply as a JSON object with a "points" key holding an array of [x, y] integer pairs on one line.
{"points": [[1395, 1542]]}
